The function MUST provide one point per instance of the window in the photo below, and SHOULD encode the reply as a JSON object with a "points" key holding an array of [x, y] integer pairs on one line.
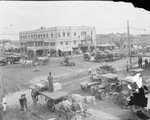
{"points": [[74, 33], [38, 35], [61, 43], [68, 34], [52, 43], [58, 34], [31, 36], [74, 42], [43, 35], [66, 43], [46, 44], [63, 34], [20, 37], [47, 35], [28, 36], [91, 32], [52, 35], [83, 33]]}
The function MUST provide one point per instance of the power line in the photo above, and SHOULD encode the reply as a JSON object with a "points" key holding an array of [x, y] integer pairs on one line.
{"points": [[141, 29]]}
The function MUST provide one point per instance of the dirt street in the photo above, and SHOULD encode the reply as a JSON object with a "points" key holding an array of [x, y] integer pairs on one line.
{"points": [[16, 76]]}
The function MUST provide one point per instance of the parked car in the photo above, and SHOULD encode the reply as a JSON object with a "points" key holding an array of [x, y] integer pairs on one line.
{"points": [[110, 83]]}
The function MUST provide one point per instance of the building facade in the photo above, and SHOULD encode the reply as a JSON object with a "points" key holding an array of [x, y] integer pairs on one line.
{"points": [[56, 39]]}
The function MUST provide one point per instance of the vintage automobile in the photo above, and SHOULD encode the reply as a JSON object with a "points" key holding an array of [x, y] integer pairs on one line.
{"points": [[68, 62], [106, 69], [110, 83], [94, 80], [13, 58], [135, 71], [99, 57], [3, 61], [87, 56], [124, 93]]}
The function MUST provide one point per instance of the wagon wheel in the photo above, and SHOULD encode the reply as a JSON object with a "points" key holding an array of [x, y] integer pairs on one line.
{"points": [[50, 105], [83, 87], [116, 98], [34, 95], [113, 87], [101, 95]]}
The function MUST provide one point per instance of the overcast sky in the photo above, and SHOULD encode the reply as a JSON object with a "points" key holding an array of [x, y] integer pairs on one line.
{"points": [[107, 17]]}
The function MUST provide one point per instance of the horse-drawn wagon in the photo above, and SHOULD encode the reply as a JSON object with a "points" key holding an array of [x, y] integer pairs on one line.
{"points": [[51, 98], [68, 62]]}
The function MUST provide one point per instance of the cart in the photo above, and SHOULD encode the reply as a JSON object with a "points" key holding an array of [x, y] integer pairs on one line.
{"points": [[51, 98]]}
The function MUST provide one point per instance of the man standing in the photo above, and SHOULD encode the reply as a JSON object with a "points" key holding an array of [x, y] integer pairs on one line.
{"points": [[90, 71], [25, 102], [4, 105], [50, 80], [21, 103], [127, 66]]}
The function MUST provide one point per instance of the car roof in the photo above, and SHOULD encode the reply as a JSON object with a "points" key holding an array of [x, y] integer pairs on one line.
{"points": [[137, 70], [128, 79], [109, 75]]}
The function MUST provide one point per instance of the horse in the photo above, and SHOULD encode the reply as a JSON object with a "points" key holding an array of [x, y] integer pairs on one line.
{"points": [[22, 61], [44, 59], [85, 99], [29, 63], [69, 106]]}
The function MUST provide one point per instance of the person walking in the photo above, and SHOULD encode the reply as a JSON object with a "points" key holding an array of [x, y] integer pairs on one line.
{"points": [[21, 103], [4, 104], [89, 71], [25, 102], [146, 63], [127, 66], [50, 80]]}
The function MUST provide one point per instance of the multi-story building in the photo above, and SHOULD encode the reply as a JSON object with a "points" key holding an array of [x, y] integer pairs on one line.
{"points": [[56, 39]]}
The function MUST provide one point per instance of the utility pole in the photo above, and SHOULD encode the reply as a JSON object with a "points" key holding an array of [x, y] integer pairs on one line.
{"points": [[1, 92], [129, 44]]}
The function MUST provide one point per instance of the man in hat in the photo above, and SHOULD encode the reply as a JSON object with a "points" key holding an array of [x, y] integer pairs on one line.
{"points": [[50, 80], [21, 103], [25, 101]]}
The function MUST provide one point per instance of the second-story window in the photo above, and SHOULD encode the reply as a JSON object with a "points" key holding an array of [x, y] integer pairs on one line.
{"points": [[83, 33], [51, 35], [61, 43], [43, 35], [20, 37], [28, 36], [47, 35], [74, 33], [63, 34], [66, 43], [38, 35], [68, 34], [31, 36], [91, 32], [58, 34], [74, 42]]}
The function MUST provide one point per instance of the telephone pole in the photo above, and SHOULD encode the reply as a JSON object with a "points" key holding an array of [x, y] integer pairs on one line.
{"points": [[1, 92], [129, 44]]}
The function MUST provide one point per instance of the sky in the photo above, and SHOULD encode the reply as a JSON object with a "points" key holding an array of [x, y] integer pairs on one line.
{"points": [[106, 16]]}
